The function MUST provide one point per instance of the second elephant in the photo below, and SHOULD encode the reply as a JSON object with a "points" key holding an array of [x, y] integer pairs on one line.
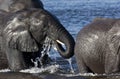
{"points": [[97, 47]]}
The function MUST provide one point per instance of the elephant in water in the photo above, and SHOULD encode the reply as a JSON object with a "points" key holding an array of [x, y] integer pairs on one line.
{"points": [[11, 6], [24, 32], [97, 47]]}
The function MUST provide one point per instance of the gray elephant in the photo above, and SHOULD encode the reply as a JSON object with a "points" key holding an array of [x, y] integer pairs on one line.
{"points": [[24, 33], [10, 6], [97, 47], [25, 30]]}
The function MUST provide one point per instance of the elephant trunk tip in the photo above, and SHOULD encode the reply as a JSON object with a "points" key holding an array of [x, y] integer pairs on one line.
{"points": [[66, 50]]}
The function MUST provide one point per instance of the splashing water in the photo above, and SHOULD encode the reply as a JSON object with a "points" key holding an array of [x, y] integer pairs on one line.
{"points": [[46, 49], [4, 70], [49, 69], [46, 46], [70, 63], [35, 62], [68, 60], [55, 54]]}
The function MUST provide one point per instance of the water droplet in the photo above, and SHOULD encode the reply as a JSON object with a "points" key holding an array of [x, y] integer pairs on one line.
{"points": [[70, 63]]}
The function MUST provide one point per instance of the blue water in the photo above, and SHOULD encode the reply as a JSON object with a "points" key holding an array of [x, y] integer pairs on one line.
{"points": [[75, 14]]}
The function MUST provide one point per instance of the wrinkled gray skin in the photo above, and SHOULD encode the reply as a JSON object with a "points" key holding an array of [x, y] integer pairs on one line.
{"points": [[25, 31], [11, 6], [97, 47], [3, 58]]}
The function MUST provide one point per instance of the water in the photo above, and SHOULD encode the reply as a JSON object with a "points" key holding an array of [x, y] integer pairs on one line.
{"points": [[74, 15]]}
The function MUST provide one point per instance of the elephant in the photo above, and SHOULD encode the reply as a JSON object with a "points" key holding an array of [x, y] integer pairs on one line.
{"points": [[11, 6], [25, 31], [97, 47]]}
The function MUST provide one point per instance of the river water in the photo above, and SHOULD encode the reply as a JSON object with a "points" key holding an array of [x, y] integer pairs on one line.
{"points": [[74, 15]]}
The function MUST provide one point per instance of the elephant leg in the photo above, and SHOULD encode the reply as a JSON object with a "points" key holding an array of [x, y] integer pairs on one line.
{"points": [[112, 63], [79, 57], [80, 62], [82, 67], [15, 59]]}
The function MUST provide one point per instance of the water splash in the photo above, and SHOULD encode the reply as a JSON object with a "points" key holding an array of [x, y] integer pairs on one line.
{"points": [[45, 51], [46, 46], [35, 62], [70, 63], [4, 70], [69, 60], [55, 54], [49, 69]]}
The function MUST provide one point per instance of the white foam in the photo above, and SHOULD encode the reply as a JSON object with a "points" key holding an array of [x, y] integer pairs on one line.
{"points": [[88, 74], [70, 63], [79, 74], [50, 69], [5, 70]]}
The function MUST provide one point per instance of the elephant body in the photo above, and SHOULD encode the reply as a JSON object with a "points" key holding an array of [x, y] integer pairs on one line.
{"points": [[7, 7], [24, 33], [97, 47], [27, 32]]}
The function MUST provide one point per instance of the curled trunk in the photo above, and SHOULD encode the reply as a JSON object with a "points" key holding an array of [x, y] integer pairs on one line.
{"points": [[60, 35], [66, 39]]}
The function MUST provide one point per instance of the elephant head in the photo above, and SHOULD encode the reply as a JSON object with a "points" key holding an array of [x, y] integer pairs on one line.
{"points": [[27, 30]]}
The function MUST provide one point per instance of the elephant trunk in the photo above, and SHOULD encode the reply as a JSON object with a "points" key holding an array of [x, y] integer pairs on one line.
{"points": [[65, 38]]}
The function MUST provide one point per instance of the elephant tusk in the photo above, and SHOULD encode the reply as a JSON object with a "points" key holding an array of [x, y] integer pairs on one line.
{"points": [[60, 42]]}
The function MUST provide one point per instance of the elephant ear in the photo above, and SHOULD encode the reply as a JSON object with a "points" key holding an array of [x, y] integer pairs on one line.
{"points": [[18, 37], [114, 38]]}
